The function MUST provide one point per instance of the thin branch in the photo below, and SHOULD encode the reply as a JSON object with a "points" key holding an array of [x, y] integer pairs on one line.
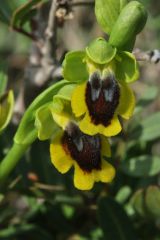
{"points": [[50, 33], [148, 56], [27, 34], [81, 3]]}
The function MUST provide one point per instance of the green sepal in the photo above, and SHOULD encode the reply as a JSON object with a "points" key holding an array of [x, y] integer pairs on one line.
{"points": [[6, 109], [130, 22], [74, 67], [66, 92], [107, 12], [126, 67], [63, 95], [100, 51], [44, 122], [27, 131]]}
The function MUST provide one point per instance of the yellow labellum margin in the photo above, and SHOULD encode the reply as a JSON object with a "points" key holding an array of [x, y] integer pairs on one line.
{"points": [[125, 109], [83, 180]]}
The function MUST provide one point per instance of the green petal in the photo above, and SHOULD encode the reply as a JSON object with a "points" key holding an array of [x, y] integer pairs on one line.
{"points": [[45, 123], [126, 67], [100, 51], [74, 67], [6, 109]]}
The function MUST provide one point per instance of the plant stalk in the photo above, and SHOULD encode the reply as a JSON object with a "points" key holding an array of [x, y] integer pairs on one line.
{"points": [[11, 159]]}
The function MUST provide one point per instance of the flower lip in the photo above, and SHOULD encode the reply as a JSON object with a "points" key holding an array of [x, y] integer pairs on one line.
{"points": [[102, 98], [84, 149]]}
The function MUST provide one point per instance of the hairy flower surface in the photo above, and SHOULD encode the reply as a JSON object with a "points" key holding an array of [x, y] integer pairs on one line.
{"points": [[100, 101], [72, 147]]}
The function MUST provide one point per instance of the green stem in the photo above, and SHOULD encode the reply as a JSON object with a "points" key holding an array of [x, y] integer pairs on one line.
{"points": [[11, 159]]}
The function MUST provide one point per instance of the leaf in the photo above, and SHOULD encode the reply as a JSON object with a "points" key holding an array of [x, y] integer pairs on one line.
{"points": [[3, 82], [148, 97], [7, 8], [148, 129], [130, 22], [27, 132], [126, 67], [152, 201], [114, 221], [138, 202], [123, 194], [146, 202], [6, 109], [141, 166], [74, 67], [107, 12], [24, 13], [44, 123], [100, 52]]}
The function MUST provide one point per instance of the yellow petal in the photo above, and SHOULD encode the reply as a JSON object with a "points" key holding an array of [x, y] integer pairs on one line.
{"points": [[61, 118], [113, 129], [83, 180], [59, 158], [106, 174], [87, 126], [127, 101], [105, 147], [78, 100]]}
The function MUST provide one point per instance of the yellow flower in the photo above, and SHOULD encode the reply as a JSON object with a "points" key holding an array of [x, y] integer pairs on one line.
{"points": [[74, 148], [100, 101]]}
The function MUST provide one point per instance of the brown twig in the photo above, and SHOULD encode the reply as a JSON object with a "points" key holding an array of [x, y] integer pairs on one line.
{"points": [[50, 33], [81, 3], [148, 56], [42, 61], [27, 34]]}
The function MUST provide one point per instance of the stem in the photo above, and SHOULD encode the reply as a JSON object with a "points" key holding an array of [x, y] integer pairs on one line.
{"points": [[10, 161]]}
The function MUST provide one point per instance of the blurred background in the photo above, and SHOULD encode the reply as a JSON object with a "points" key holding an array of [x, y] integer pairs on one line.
{"points": [[38, 203]]}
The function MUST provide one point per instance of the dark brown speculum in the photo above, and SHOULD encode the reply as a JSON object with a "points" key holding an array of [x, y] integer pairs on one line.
{"points": [[102, 98], [84, 149]]}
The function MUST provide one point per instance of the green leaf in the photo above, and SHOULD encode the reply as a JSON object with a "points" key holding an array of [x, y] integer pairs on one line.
{"points": [[126, 67], [3, 82], [114, 221], [148, 129], [44, 123], [27, 131], [130, 22], [107, 12], [100, 52], [141, 166], [148, 97], [7, 8], [74, 67], [146, 202], [24, 13], [123, 194], [138, 202], [152, 201], [6, 109]]}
